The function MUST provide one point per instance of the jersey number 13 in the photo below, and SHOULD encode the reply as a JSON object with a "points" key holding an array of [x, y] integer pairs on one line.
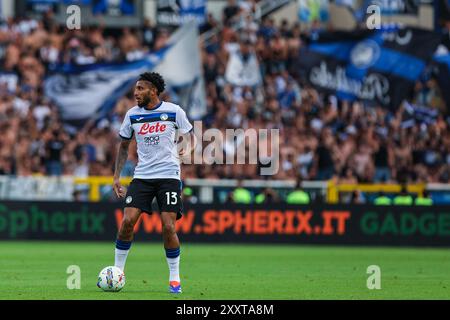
{"points": [[171, 197]]}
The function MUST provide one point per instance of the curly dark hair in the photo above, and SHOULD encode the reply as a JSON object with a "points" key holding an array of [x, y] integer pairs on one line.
{"points": [[154, 78]]}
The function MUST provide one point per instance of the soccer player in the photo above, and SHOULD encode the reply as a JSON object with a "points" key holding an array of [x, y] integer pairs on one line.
{"points": [[162, 132]]}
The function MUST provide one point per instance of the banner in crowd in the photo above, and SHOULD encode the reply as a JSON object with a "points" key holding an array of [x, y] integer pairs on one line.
{"points": [[415, 114], [41, 6], [397, 7], [78, 2], [387, 7], [113, 8], [378, 66], [178, 12], [347, 3], [327, 224], [313, 10], [91, 91], [441, 70]]}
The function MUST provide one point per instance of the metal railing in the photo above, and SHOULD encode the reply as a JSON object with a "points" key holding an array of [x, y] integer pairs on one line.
{"points": [[334, 190], [206, 186], [96, 188], [330, 189]]}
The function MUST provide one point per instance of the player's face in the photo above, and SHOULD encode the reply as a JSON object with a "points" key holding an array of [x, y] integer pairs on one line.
{"points": [[144, 93]]}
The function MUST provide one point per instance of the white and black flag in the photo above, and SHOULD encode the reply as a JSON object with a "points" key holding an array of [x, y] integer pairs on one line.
{"points": [[378, 67], [91, 91]]}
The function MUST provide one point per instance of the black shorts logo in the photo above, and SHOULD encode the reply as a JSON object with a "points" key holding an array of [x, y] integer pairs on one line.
{"points": [[128, 199]]}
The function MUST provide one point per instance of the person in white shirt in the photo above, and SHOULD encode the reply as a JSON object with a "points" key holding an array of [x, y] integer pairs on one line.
{"points": [[160, 128]]}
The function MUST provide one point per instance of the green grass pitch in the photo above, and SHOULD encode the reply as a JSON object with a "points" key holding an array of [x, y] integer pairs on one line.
{"points": [[37, 270]]}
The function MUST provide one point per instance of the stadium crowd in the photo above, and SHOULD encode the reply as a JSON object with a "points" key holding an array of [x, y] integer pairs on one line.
{"points": [[321, 137]]}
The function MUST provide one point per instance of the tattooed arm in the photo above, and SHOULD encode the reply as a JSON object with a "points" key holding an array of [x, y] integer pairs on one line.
{"points": [[122, 156]]}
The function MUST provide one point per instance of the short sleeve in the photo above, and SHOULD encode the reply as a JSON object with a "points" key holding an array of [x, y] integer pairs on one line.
{"points": [[183, 124], [126, 131]]}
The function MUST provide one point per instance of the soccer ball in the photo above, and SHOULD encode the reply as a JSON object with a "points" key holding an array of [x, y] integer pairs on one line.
{"points": [[111, 279]]}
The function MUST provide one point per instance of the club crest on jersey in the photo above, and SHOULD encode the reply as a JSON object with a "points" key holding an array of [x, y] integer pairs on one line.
{"points": [[128, 199], [164, 117]]}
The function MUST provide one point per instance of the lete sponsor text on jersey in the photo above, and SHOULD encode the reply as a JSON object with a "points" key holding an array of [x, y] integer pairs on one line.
{"points": [[147, 128]]}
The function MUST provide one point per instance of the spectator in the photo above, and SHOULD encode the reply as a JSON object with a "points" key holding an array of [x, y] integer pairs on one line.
{"points": [[382, 163], [298, 196], [188, 195], [230, 11], [348, 176], [210, 23], [278, 53], [324, 162], [54, 149], [241, 194], [424, 199], [382, 200], [267, 196], [357, 197], [148, 34], [404, 198]]}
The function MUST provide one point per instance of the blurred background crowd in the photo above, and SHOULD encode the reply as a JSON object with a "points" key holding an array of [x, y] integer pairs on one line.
{"points": [[321, 136]]}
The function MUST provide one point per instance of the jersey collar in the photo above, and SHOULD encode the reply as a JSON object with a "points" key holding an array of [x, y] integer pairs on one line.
{"points": [[157, 106]]}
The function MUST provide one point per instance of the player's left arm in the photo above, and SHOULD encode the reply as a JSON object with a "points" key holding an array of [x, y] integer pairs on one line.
{"points": [[187, 143], [186, 138]]}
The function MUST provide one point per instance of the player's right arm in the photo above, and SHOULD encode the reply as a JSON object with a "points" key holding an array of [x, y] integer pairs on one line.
{"points": [[122, 156], [126, 133]]}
